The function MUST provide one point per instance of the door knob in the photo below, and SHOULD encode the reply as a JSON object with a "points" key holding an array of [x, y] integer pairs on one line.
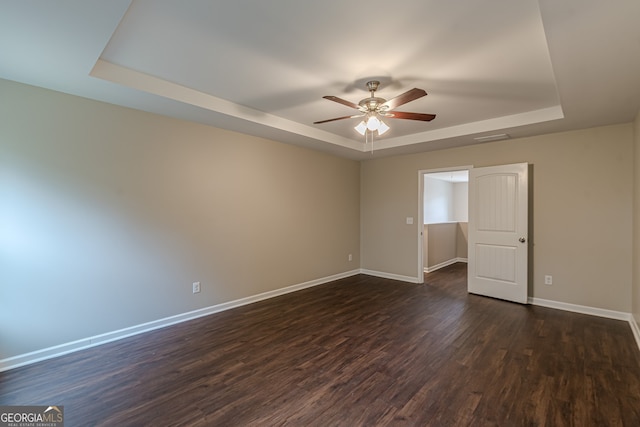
{"points": [[522, 240]]}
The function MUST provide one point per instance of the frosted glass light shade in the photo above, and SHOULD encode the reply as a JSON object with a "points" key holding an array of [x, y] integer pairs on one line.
{"points": [[382, 128], [373, 123]]}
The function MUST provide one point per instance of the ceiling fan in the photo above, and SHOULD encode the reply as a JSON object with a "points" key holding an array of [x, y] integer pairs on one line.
{"points": [[373, 109]]}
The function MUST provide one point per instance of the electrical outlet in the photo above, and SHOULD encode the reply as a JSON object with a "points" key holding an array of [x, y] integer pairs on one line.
{"points": [[548, 280], [350, 257], [196, 287]]}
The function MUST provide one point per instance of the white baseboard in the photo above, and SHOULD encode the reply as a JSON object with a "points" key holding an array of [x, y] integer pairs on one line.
{"points": [[635, 329], [70, 347], [444, 264], [600, 312], [593, 311], [392, 276]]}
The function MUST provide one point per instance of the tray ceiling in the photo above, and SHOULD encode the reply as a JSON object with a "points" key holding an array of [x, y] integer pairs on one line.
{"points": [[497, 66]]}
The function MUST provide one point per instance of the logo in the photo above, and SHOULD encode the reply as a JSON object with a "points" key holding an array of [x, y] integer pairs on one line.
{"points": [[31, 416]]}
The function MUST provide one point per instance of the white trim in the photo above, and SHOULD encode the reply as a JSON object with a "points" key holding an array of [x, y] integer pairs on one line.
{"points": [[70, 347], [420, 222], [392, 276], [635, 329], [444, 264], [593, 311], [422, 251], [583, 309]]}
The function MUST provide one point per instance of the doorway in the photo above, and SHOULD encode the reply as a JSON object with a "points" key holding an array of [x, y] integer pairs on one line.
{"points": [[443, 217]]}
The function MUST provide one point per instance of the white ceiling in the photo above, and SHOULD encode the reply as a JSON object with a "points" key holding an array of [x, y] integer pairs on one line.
{"points": [[521, 67]]}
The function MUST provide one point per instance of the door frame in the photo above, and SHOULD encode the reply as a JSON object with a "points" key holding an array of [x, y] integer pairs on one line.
{"points": [[420, 221]]}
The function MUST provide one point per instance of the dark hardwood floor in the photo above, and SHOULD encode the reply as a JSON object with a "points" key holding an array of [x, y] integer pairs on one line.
{"points": [[358, 351]]}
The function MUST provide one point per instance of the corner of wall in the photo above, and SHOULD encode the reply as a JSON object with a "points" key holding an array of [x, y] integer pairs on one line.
{"points": [[635, 274]]}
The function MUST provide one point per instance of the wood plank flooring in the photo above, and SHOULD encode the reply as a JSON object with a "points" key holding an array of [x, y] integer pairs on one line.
{"points": [[361, 351]]}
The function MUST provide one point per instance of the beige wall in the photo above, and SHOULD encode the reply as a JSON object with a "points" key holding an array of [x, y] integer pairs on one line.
{"points": [[636, 223], [582, 210], [441, 243], [462, 240], [444, 242], [107, 216]]}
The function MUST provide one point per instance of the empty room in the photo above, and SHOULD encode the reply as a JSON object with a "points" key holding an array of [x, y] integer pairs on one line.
{"points": [[220, 214]]}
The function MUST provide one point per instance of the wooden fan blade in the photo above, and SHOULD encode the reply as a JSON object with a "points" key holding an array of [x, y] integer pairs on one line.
{"points": [[411, 116], [403, 98], [338, 118], [342, 101]]}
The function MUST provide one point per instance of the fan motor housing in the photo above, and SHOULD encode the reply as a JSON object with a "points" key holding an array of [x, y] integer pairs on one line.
{"points": [[372, 103]]}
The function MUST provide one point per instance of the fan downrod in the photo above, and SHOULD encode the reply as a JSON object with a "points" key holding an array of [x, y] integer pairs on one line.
{"points": [[373, 86]]}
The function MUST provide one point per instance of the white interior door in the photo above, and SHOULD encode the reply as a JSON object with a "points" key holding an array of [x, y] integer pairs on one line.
{"points": [[498, 226]]}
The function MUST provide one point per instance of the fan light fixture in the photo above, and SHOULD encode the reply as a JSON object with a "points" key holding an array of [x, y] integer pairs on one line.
{"points": [[374, 108], [372, 124]]}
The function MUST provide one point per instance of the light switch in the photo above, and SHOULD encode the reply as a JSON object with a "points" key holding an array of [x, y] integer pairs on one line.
{"points": [[409, 220]]}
